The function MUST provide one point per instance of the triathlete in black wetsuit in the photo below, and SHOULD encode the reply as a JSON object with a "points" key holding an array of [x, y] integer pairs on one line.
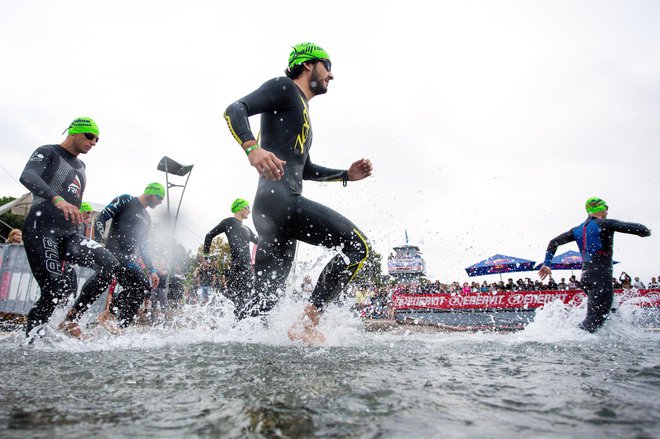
{"points": [[282, 216], [240, 279], [56, 178], [128, 240], [594, 238]]}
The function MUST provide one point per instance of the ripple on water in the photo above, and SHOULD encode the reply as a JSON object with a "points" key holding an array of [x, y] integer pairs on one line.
{"points": [[222, 380]]}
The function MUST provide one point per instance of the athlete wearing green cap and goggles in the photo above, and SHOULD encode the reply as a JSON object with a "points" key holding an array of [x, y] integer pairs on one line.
{"points": [[239, 204], [303, 53], [595, 204], [595, 239], [84, 125], [85, 207], [156, 189]]}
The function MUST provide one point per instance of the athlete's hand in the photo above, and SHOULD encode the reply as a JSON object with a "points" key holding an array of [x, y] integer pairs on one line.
{"points": [[155, 280], [267, 164], [71, 212], [359, 170], [544, 272]]}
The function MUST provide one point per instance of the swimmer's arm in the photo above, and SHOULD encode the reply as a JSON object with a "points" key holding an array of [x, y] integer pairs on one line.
{"points": [[562, 239], [274, 95], [32, 175], [315, 172], [623, 227], [208, 240], [108, 212]]}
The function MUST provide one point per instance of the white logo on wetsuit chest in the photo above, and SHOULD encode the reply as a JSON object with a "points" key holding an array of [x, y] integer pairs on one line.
{"points": [[37, 157], [75, 187]]}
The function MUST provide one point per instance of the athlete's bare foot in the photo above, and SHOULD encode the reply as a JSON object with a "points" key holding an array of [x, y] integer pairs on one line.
{"points": [[71, 329], [110, 323], [306, 328]]}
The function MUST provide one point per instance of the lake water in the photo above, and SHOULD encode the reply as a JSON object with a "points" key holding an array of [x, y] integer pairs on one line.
{"points": [[206, 377]]}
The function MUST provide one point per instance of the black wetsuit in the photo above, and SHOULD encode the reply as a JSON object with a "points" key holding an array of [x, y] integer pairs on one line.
{"points": [[50, 239], [594, 238], [281, 215], [241, 275], [127, 240]]}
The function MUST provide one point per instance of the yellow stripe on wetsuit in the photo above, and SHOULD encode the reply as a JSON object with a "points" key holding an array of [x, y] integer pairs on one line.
{"points": [[358, 266]]}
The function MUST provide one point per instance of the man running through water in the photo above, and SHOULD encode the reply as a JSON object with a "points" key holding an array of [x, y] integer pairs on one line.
{"points": [[56, 178], [282, 216], [594, 238], [127, 240], [241, 275]]}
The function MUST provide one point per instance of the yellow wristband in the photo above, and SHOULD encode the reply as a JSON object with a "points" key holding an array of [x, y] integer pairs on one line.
{"points": [[252, 148]]}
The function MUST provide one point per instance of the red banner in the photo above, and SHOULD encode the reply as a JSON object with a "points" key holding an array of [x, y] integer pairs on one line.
{"points": [[508, 299]]}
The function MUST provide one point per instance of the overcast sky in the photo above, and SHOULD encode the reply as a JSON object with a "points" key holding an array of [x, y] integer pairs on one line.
{"points": [[489, 123]]}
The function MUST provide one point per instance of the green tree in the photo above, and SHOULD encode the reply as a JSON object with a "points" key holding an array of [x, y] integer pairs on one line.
{"points": [[8, 220], [220, 256], [370, 274]]}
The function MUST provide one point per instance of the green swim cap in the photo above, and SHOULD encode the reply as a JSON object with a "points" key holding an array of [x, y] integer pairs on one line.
{"points": [[84, 125], [155, 189], [594, 205], [86, 207], [304, 52], [239, 204]]}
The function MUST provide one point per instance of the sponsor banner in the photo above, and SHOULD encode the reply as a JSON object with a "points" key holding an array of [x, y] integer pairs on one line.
{"points": [[510, 300]]}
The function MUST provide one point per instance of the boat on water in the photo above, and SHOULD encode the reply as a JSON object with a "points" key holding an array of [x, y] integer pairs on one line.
{"points": [[406, 262]]}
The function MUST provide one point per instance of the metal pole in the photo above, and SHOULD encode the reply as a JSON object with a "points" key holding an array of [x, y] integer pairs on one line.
{"points": [[169, 259], [176, 217]]}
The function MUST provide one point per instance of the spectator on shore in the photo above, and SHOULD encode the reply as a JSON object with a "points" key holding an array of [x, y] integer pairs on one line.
{"points": [[552, 285], [573, 283], [529, 285], [654, 283], [15, 237], [626, 281], [638, 283]]}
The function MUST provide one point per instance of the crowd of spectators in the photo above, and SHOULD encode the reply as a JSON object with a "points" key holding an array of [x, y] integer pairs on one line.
{"points": [[424, 286], [375, 302]]}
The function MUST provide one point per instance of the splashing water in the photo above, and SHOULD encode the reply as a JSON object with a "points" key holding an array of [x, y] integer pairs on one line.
{"points": [[203, 374]]}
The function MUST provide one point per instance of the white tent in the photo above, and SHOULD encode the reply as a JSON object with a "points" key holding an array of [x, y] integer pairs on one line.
{"points": [[19, 206]]}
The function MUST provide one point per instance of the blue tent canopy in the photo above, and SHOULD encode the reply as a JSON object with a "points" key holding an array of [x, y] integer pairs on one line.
{"points": [[500, 264], [571, 260]]}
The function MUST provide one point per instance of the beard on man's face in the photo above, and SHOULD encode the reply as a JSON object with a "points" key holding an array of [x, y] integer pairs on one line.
{"points": [[316, 84]]}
